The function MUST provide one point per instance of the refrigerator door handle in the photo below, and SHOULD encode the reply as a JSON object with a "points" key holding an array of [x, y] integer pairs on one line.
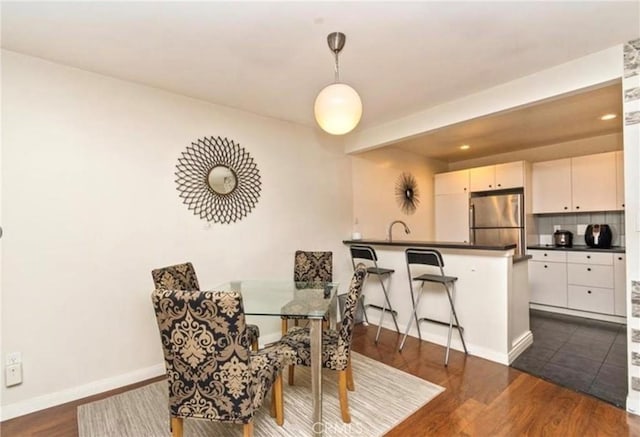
{"points": [[472, 223]]}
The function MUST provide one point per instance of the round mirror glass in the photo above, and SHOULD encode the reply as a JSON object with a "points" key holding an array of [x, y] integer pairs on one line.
{"points": [[222, 179]]}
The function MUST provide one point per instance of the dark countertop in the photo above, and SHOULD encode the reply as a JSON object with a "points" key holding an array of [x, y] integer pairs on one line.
{"points": [[614, 249], [518, 259], [434, 244]]}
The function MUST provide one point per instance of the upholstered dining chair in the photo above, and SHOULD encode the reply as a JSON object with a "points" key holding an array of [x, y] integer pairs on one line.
{"points": [[336, 344], [183, 277], [212, 374], [308, 268]]}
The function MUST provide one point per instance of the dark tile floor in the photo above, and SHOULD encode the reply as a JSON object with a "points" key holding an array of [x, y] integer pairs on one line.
{"points": [[586, 355]]}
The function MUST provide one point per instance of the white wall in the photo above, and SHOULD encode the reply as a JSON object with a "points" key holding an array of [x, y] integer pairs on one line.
{"points": [[90, 206], [375, 174]]}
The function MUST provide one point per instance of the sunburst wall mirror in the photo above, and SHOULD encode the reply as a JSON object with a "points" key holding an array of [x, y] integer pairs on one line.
{"points": [[407, 194], [218, 180]]}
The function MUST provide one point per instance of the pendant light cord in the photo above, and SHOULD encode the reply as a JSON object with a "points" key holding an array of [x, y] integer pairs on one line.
{"points": [[337, 71]]}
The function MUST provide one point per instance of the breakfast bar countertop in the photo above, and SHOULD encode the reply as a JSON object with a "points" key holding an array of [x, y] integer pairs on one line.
{"points": [[434, 244], [613, 249]]}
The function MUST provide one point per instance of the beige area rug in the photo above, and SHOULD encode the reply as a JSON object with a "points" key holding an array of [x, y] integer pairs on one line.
{"points": [[384, 397]]}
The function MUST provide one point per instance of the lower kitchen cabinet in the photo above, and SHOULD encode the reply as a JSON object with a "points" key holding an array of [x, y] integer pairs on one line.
{"points": [[548, 283], [620, 284], [594, 299], [579, 280]]}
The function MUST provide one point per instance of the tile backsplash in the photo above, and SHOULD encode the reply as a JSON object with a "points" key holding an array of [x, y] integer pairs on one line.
{"points": [[569, 222]]}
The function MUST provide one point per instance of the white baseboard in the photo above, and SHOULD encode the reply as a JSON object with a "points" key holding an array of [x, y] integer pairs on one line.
{"points": [[61, 397], [520, 345], [633, 402], [585, 314]]}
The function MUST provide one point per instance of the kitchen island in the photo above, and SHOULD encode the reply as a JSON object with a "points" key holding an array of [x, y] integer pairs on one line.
{"points": [[492, 296]]}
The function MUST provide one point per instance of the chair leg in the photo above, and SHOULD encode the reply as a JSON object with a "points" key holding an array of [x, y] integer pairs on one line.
{"points": [[248, 429], [272, 410], [285, 326], [254, 345], [386, 303], [344, 402], [411, 319], [453, 316], [176, 427], [350, 384], [278, 397], [292, 370]]}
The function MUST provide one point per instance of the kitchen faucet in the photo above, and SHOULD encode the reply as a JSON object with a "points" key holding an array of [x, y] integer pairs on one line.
{"points": [[406, 228]]}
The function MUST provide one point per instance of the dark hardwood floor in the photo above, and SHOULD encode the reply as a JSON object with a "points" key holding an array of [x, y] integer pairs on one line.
{"points": [[481, 399]]}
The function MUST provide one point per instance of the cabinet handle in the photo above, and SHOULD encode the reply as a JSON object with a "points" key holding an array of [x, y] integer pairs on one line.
{"points": [[465, 188], [566, 207], [499, 185], [619, 258], [545, 254], [489, 186], [589, 291], [588, 256], [588, 269], [577, 207], [623, 205], [545, 266]]}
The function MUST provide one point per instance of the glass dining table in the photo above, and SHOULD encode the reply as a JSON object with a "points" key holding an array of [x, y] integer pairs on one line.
{"points": [[309, 300]]}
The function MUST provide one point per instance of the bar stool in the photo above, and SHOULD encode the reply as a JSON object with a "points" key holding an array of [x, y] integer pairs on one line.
{"points": [[369, 254], [432, 257]]}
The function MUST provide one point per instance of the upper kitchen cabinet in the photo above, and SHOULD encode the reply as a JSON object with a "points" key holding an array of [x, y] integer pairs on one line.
{"points": [[551, 186], [580, 184], [619, 180], [593, 182], [497, 177], [453, 182]]}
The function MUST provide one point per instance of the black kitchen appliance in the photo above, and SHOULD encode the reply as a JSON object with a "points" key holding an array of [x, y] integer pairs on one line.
{"points": [[563, 238], [598, 236]]}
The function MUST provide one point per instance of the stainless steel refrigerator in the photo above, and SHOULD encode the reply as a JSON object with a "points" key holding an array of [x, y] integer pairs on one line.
{"points": [[497, 219]]}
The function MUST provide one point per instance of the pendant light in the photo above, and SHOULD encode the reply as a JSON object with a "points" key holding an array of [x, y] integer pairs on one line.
{"points": [[338, 107]]}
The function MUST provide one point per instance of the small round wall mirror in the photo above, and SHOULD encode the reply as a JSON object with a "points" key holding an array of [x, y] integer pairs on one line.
{"points": [[222, 179]]}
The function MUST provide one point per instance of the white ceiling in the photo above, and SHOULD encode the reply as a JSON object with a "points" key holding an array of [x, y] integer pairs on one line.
{"points": [[271, 58]]}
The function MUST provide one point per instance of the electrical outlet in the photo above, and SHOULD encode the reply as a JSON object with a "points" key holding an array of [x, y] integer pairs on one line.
{"points": [[13, 375], [13, 358], [581, 229]]}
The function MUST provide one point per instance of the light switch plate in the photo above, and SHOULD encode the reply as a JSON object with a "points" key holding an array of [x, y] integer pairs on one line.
{"points": [[556, 228], [581, 229]]}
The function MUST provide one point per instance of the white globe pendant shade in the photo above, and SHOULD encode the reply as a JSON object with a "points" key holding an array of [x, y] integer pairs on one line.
{"points": [[338, 109]]}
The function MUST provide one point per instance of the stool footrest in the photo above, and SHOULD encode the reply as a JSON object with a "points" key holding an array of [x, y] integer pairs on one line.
{"points": [[439, 322], [378, 307]]}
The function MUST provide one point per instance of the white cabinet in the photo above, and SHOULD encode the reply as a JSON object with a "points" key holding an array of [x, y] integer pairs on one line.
{"points": [[551, 186], [593, 182], [453, 182], [620, 281], [452, 217], [482, 178], [579, 280], [497, 177], [580, 184], [619, 180], [548, 279], [592, 299]]}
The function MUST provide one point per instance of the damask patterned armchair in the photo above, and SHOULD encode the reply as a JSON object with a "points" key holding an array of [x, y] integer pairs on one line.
{"points": [[310, 267], [211, 372], [183, 277], [336, 345]]}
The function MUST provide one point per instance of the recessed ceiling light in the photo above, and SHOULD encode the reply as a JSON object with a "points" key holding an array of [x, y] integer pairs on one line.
{"points": [[606, 117], [465, 147]]}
